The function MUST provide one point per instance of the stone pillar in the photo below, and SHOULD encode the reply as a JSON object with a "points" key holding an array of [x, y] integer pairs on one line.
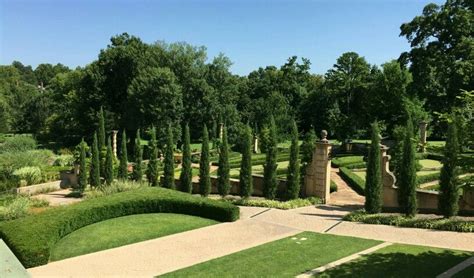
{"points": [[318, 174], [114, 142], [423, 126], [389, 190], [255, 144]]}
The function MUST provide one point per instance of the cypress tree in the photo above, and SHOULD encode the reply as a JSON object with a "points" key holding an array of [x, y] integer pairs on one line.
{"points": [[152, 169], [186, 177], [138, 152], [123, 168], [373, 181], [204, 178], [109, 164], [407, 184], [168, 179], [82, 180], [94, 177], [102, 146], [448, 181], [246, 181], [223, 182], [214, 134], [307, 150], [270, 166], [293, 174]]}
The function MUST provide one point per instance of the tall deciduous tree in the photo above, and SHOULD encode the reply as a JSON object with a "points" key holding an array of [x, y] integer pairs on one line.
{"points": [[448, 181], [138, 153], [168, 179], [270, 183], [82, 180], [109, 164], [185, 177], [152, 169], [204, 177], [373, 181], [223, 182], [293, 174], [407, 184], [246, 182], [123, 168], [94, 177]]}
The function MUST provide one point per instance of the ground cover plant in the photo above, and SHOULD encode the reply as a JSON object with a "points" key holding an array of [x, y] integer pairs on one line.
{"points": [[135, 228], [14, 206], [290, 204], [400, 260], [289, 257], [32, 237]]}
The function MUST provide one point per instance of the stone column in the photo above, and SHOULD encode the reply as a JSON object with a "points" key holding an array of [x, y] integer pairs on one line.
{"points": [[318, 174], [114, 142], [389, 191], [423, 126], [255, 144]]}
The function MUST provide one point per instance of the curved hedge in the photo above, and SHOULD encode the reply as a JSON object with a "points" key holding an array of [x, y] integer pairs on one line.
{"points": [[31, 238], [353, 180]]}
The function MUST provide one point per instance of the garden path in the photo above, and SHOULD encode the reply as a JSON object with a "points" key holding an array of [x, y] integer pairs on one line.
{"points": [[58, 198], [344, 196]]}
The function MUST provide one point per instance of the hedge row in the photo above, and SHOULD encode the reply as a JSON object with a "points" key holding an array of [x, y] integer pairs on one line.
{"points": [[259, 161], [348, 161], [31, 238], [427, 178], [353, 180], [445, 224]]}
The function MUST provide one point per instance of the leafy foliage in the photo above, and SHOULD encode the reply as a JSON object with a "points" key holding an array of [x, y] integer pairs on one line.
{"points": [[245, 178], [407, 183], [137, 174], [223, 182], [94, 175], [123, 167], [204, 177], [82, 179], [293, 174], [168, 178], [373, 181], [185, 177], [152, 168], [109, 164], [270, 182]]}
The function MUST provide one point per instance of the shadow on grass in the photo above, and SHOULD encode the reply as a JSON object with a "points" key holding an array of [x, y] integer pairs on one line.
{"points": [[398, 264]]}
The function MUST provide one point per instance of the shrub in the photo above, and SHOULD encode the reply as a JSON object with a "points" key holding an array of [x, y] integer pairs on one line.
{"points": [[245, 177], [16, 206], [82, 179], [32, 175], [427, 178], [204, 177], [290, 204], [270, 183], [18, 144], [333, 187], [407, 174], [32, 237], [348, 161], [138, 155], [109, 164], [64, 160], [94, 175], [152, 168], [373, 181], [293, 173], [448, 181], [123, 167], [168, 179], [185, 177], [353, 180], [223, 182]]}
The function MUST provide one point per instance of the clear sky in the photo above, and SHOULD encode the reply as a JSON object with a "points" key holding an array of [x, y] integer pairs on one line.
{"points": [[252, 33]]}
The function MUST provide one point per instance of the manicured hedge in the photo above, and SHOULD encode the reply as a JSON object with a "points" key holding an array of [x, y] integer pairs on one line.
{"points": [[353, 180], [345, 161], [31, 238], [427, 178]]}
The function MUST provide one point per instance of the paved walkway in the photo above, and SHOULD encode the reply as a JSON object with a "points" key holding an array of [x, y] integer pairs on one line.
{"points": [[58, 198], [344, 196]]}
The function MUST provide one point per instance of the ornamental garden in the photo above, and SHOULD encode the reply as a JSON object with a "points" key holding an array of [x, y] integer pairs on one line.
{"points": [[154, 161]]}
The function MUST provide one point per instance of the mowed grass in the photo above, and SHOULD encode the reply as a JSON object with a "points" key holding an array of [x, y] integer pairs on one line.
{"points": [[400, 260], [430, 163], [282, 258], [124, 230]]}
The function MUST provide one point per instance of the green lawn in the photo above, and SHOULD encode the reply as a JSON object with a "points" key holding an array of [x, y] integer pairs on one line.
{"points": [[400, 260], [124, 230], [430, 163], [362, 174], [282, 258]]}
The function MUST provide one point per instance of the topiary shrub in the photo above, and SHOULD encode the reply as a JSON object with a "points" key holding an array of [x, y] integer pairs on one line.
{"points": [[31, 238]]}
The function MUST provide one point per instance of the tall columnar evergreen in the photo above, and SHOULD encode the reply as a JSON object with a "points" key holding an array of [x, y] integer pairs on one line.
{"points": [[214, 134], [94, 177], [223, 176], [373, 181], [138, 153], [152, 169], [246, 182], [270, 184], [168, 179], [448, 181], [407, 184], [102, 145], [307, 150], [204, 177], [82, 180], [186, 175], [123, 168], [109, 164], [293, 174]]}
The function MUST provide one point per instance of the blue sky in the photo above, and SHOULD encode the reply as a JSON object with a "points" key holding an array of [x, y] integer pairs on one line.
{"points": [[251, 33]]}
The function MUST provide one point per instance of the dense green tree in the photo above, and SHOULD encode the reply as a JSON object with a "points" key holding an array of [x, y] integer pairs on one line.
{"points": [[223, 176], [94, 177], [307, 150], [246, 181], [109, 164], [82, 179], [293, 174], [168, 179], [270, 183], [45, 72], [102, 131], [138, 154], [186, 177], [407, 183], [373, 181], [204, 177], [123, 167], [448, 181], [152, 169]]}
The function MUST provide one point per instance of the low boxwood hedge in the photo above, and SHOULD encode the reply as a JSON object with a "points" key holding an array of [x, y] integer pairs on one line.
{"points": [[31, 238], [353, 180]]}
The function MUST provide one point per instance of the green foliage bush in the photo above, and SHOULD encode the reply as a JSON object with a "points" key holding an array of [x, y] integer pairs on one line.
{"points": [[451, 224], [351, 162], [32, 175], [32, 237], [16, 206], [290, 204], [353, 180], [18, 144], [64, 160]]}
